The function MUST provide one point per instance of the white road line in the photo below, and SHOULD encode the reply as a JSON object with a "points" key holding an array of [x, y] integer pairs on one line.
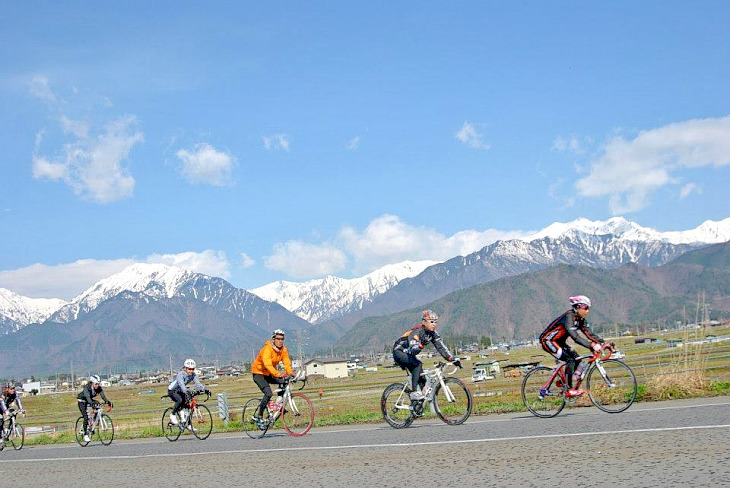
{"points": [[370, 446]]}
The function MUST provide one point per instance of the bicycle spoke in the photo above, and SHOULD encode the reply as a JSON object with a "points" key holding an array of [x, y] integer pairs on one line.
{"points": [[612, 386], [250, 412], [452, 402], [201, 422], [171, 431], [105, 429], [395, 406]]}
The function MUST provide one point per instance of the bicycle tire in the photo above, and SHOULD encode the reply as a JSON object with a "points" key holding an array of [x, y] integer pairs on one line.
{"points": [[392, 402], [250, 427], [542, 404], [201, 422], [456, 412], [618, 396], [17, 437], [105, 430], [80, 432], [171, 431], [298, 423]]}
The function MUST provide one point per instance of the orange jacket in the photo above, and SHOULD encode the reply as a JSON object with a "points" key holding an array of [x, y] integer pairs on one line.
{"points": [[267, 359]]}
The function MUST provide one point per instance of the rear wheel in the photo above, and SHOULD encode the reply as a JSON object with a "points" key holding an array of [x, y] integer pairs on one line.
{"points": [[453, 403], [201, 422], [80, 432], [396, 406], [613, 390], [171, 431], [250, 412], [298, 416], [17, 437], [540, 394]]}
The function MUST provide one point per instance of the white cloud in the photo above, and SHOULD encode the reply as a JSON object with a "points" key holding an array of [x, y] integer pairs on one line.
{"points": [[469, 135], [302, 260], [39, 89], [688, 189], [92, 166], [276, 141], [205, 164], [353, 143], [246, 260], [571, 144], [630, 171], [67, 280]]}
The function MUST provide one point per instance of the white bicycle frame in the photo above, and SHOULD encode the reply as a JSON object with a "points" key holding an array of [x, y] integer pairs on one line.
{"points": [[288, 400], [98, 420], [435, 373]]}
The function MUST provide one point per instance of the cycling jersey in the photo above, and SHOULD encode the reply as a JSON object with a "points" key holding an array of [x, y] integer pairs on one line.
{"points": [[7, 399], [182, 379], [415, 339], [267, 359], [89, 392], [569, 324]]}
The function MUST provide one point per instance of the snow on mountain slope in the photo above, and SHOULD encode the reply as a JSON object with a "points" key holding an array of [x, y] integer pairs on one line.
{"points": [[17, 311], [322, 299]]}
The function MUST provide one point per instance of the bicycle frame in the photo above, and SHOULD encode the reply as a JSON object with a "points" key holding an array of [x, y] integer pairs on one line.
{"points": [[11, 423], [436, 374], [288, 401], [594, 360], [96, 419]]}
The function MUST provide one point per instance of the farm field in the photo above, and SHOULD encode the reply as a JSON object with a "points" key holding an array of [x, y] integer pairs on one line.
{"points": [[138, 409]]}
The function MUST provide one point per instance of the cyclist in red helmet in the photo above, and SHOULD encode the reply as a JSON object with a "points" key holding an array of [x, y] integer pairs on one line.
{"points": [[572, 324]]}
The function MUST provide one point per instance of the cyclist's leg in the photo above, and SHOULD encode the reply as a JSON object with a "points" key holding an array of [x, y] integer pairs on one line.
{"points": [[410, 363], [179, 398], [3, 413], [263, 383], [85, 415], [570, 357]]}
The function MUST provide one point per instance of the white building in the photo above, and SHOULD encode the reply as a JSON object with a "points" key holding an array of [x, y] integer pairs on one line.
{"points": [[327, 367]]}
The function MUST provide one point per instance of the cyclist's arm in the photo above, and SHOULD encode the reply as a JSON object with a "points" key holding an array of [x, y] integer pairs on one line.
{"points": [[441, 347], [103, 396], [197, 383], [179, 383], [86, 394], [581, 334], [269, 364], [287, 361]]}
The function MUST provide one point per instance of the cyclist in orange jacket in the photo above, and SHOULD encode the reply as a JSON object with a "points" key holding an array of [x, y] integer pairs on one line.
{"points": [[265, 372], [572, 324]]}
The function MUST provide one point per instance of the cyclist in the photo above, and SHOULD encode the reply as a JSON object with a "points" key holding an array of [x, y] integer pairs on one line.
{"points": [[7, 398], [179, 392], [572, 324], [265, 372], [412, 342], [86, 398]]}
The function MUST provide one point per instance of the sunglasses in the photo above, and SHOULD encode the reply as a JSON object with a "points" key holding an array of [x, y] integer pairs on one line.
{"points": [[278, 338], [433, 321], [583, 307]]}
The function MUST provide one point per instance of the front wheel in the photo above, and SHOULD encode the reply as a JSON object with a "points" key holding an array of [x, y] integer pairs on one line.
{"points": [[172, 431], [105, 429], [541, 394], [80, 432], [201, 422], [611, 385], [298, 416], [248, 420], [17, 437], [452, 402], [396, 406]]}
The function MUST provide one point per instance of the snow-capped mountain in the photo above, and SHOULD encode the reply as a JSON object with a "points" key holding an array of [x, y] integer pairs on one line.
{"points": [[329, 297], [17, 311]]}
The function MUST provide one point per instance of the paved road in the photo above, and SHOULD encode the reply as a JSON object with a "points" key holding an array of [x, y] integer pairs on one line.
{"points": [[650, 445]]}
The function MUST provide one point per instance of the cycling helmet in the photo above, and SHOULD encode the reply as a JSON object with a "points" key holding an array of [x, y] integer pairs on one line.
{"points": [[278, 332], [189, 363], [429, 315], [580, 300], [94, 379]]}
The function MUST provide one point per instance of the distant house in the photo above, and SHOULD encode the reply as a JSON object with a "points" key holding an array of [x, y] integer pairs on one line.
{"points": [[327, 367]]}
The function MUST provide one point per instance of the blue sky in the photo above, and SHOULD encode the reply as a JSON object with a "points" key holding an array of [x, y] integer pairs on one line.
{"points": [[289, 140]]}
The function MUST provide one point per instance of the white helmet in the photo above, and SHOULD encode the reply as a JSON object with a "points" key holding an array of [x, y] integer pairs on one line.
{"points": [[580, 300], [278, 332], [94, 379], [189, 363]]}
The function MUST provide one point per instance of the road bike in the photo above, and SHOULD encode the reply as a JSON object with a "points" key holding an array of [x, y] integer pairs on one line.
{"points": [[449, 399], [611, 385], [295, 409], [193, 417], [13, 432], [100, 424]]}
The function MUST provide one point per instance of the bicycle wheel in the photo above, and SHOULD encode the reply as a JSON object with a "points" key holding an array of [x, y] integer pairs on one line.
{"points": [[250, 411], [171, 431], [298, 417], [105, 429], [17, 437], [540, 398], [201, 422], [80, 432], [396, 406], [611, 386], [452, 402]]}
